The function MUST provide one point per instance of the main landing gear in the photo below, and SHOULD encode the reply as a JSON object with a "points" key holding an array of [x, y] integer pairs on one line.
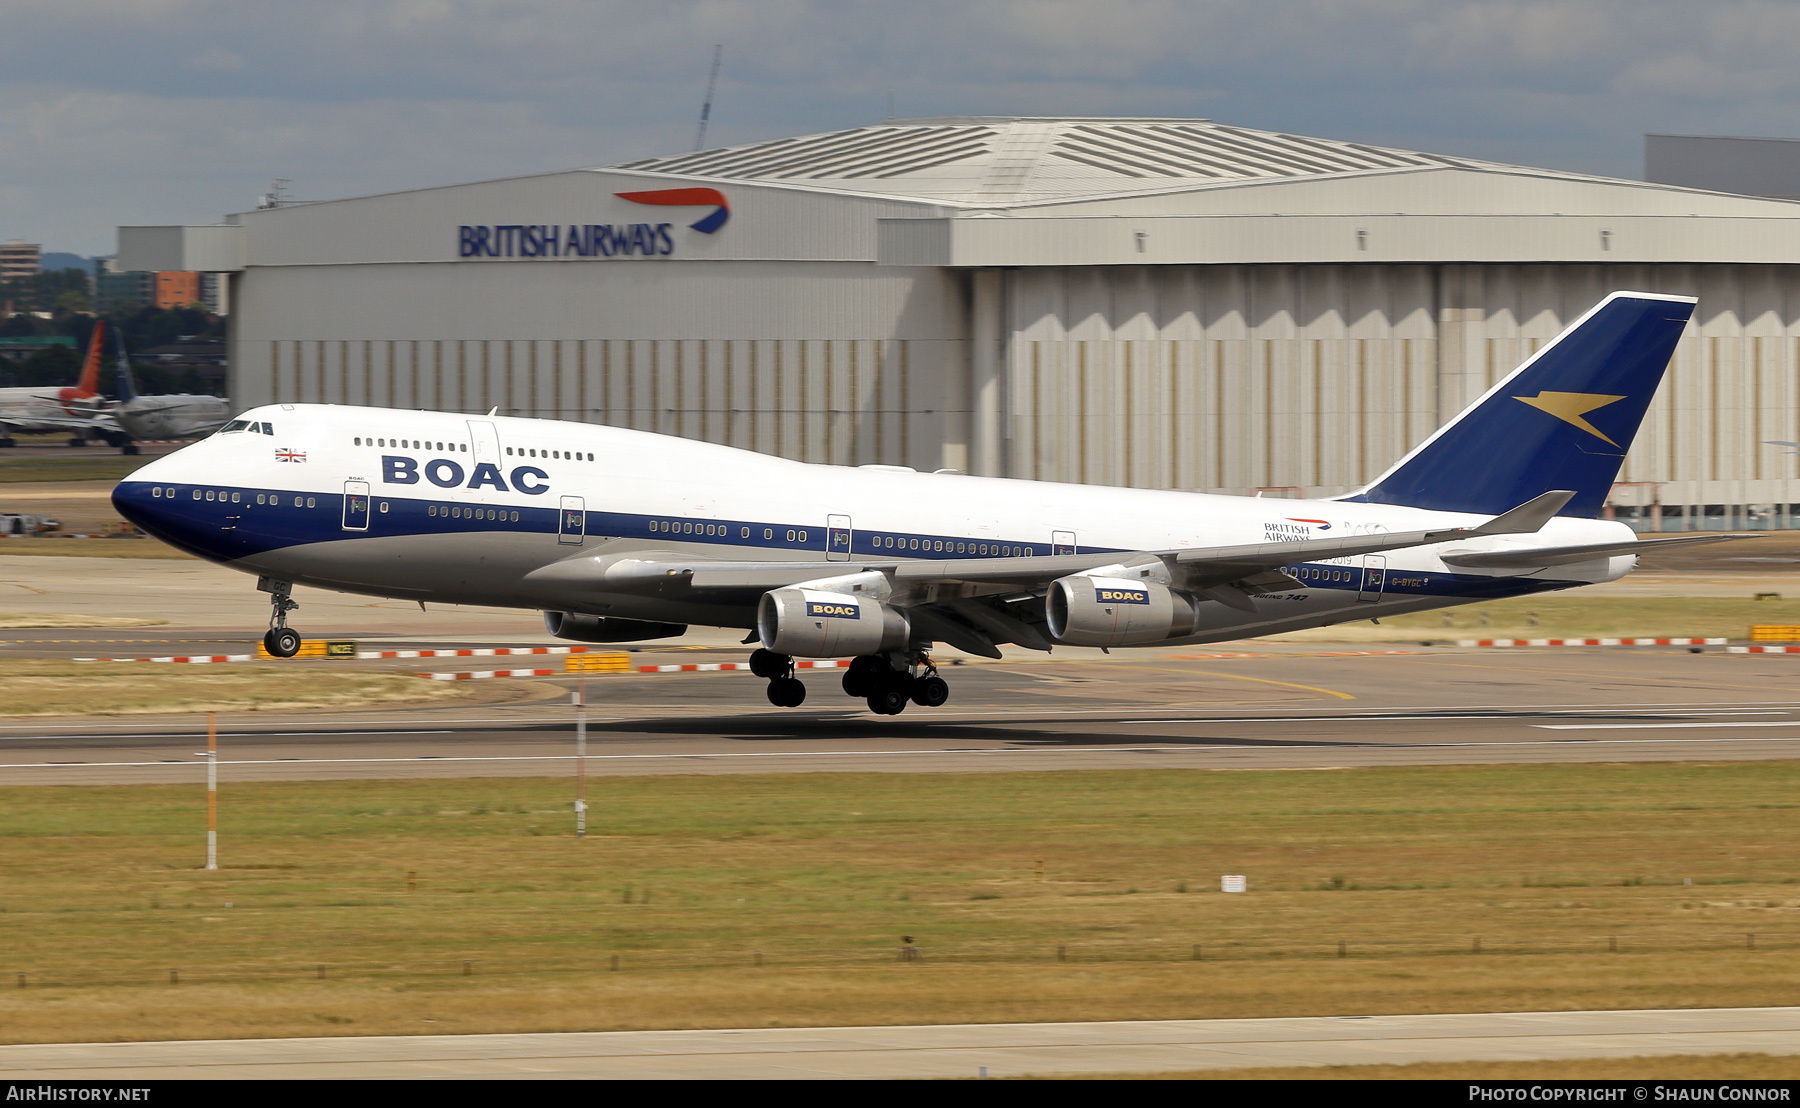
{"points": [[889, 683], [785, 690], [280, 639]]}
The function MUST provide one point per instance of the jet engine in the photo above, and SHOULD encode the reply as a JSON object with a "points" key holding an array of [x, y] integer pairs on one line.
{"points": [[581, 628], [1113, 611], [814, 623]]}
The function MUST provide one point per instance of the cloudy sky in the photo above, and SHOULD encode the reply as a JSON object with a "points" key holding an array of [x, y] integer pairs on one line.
{"points": [[178, 111]]}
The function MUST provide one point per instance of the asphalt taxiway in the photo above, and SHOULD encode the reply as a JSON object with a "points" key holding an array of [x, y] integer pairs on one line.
{"points": [[1282, 707], [953, 1050]]}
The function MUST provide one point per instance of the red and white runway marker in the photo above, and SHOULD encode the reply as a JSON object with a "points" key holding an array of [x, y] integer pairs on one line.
{"points": [[1592, 642]]}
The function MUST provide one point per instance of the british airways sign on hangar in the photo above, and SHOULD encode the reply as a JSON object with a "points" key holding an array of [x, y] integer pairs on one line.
{"points": [[595, 240]]}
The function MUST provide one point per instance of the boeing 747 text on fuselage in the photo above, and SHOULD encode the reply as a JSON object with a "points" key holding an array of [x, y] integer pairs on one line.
{"points": [[619, 535]]}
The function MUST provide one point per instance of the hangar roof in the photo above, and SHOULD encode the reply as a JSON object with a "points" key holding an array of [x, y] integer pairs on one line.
{"points": [[983, 161]]}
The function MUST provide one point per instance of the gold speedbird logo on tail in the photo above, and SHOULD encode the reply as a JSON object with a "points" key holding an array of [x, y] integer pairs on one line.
{"points": [[1570, 407]]}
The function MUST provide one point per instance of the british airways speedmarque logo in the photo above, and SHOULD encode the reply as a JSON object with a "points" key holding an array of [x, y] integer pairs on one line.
{"points": [[682, 198]]}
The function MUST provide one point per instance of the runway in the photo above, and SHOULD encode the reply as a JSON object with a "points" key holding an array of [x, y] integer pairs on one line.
{"points": [[967, 1050], [1273, 708]]}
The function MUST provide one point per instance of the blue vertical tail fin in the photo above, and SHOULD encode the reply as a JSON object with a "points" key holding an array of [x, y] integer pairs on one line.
{"points": [[122, 370], [1562, 420]]}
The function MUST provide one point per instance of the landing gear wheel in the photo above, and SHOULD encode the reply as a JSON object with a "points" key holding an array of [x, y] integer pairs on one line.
{"points": [[280, 640], [890, 701], [769, 665], [283, 642], [130, 449], [931, 692], [787, 692], [77, 440], [863, 678]]}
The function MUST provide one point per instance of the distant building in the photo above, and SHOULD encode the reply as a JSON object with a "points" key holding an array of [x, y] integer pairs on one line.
{"points": [[1725, 163], [215, 293], [176, 289], [17, 349], [131, 289], [19, 258], [205, 356], [1151, 303]]}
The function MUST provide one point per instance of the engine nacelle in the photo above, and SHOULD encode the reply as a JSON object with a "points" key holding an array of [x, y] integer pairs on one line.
{"points": [[1113, 611], [583, 628], [814, 623]]}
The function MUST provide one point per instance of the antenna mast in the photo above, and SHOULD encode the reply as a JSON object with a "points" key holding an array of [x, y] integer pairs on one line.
{"points": [[712, 82]]}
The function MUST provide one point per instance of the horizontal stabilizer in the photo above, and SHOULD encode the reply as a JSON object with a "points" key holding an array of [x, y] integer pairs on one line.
{"points": [[1528, 518], [1565, 555]]}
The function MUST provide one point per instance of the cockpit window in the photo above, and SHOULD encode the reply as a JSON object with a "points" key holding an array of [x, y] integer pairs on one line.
{"points": [[266, 428], [234, 425]]}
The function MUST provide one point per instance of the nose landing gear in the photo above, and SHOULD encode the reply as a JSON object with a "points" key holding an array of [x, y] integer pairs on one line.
{"points": [[785, 690], [280, 640]]}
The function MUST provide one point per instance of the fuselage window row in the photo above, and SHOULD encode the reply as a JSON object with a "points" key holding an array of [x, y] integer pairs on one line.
{"points": [[414, 444], [457, 512], [981, 549]]}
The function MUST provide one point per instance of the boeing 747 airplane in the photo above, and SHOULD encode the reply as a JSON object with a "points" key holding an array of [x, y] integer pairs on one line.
{"points": [[619, 535]]}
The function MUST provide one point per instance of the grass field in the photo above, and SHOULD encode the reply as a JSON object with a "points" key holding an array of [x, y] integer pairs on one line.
{"points": [[1667, 1067], [80, 464], [64, 688], [468, 906]]}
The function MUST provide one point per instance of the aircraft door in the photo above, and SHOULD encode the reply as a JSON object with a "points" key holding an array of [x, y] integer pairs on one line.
{"points": [[1374, 578], [1062, 542], [356, 505], [571, 525], [838, 538], [484, 442]]}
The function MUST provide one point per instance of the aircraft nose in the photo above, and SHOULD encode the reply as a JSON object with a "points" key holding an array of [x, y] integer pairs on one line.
{"points": [[147, 504], [152, 499]]}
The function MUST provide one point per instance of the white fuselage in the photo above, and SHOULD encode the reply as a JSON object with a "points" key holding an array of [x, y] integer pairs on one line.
{"points": [[468, 509]]}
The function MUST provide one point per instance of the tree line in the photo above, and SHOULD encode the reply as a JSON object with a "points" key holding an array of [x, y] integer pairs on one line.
{"points": [[71, 316]]}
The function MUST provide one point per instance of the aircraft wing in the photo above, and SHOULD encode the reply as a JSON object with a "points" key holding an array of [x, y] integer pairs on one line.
{"points": [[30, 423], [966, 601], [1546, 556], [1196, 566]]}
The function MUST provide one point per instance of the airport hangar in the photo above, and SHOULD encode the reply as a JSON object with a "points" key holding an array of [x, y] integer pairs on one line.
{"points": [[1165, 303]]}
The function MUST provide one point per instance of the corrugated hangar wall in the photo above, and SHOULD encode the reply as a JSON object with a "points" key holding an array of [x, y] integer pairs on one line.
{"points": [[1299, 379], [848, 364], [1312, 379]]}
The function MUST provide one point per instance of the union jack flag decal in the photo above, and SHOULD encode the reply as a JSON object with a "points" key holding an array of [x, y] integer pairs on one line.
{"points": [[290, 456]]}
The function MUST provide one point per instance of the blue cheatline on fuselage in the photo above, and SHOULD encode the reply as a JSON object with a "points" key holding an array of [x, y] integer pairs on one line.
{"points": [[224, 530]]}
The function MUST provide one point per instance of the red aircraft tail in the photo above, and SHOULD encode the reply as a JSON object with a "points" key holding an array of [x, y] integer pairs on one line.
{"points": [[89, 384]]}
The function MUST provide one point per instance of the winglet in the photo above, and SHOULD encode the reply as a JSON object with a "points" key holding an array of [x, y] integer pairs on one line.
{"points": [[1528, 517]]}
